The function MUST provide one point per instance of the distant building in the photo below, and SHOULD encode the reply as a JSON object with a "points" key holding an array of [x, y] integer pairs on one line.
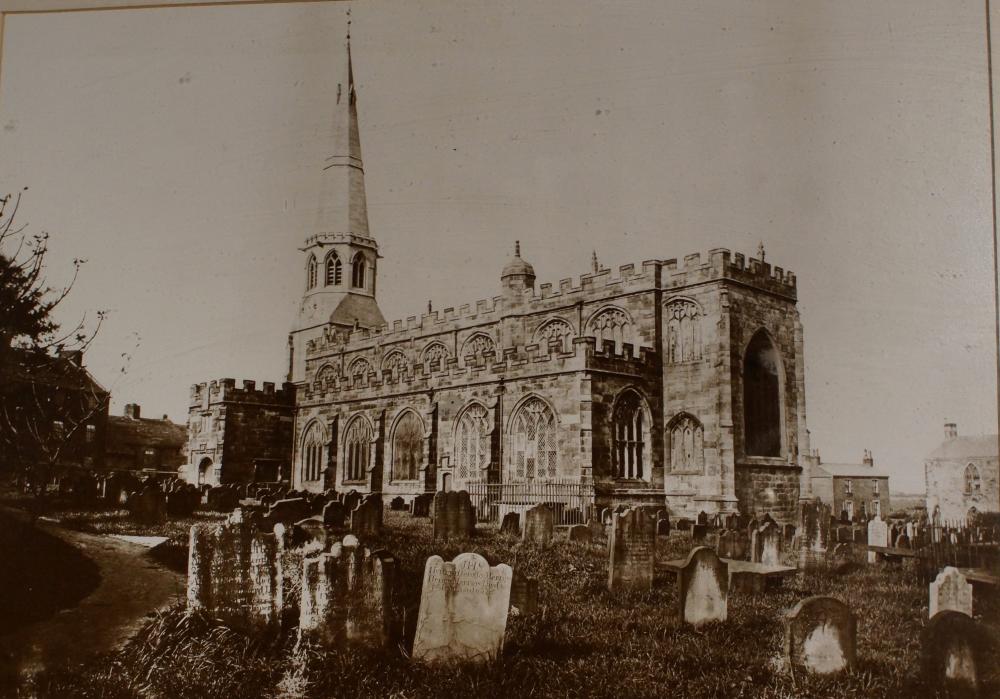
{"points": [[961, 476], [239, 434], [860, 490], [136, 443]]}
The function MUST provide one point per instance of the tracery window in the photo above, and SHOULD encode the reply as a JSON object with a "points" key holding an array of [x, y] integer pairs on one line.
{"points": [[325, 376], [533, 450], [683, 319], [359, 368], [407, 447], [311, 272], [611, 324], [472, 443], [357, 444], [333, 270], [435, 355], [358, 272], [479, 345], [312, 453], [687, 444], [628, 437], [394, 366], [973, 483], [555, 331]]}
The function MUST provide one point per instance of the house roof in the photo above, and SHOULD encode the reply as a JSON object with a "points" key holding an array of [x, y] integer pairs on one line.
{"points": [[125, 434], [966, 447], [847, 471]]}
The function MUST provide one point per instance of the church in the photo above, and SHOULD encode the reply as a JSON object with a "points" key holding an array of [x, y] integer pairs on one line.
{"points": [[668, 382]]}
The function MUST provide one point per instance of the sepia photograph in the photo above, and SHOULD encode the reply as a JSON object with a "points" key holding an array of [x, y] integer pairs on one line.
{"points": [[510, 348]]}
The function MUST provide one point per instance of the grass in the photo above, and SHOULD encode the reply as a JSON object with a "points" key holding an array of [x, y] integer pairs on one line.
{"points": [[583, 642]]}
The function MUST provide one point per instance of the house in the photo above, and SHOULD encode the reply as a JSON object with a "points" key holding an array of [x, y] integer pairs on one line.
{"points": [[961, 476], [853, 490], [136, 443]]}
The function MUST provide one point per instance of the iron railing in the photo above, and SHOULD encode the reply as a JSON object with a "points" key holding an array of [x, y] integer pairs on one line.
{"points": [[571, 502]]}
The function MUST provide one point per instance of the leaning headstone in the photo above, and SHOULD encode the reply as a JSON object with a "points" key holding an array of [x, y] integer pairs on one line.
{"points": [[511, 525], [580, 534], [632, 548], [463, 609], [524, 595], [950, 591], [366, 517], [420, 506], [953, 654], [821, 636], [453, 515], [703, 588], [814, 533], [539, 523], [878, 535]]}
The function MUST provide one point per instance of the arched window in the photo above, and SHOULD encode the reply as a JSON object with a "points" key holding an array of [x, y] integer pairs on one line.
{"points": [[435, 355], [479, 345], [761, 399], [611, 324], [395, 366], [687, 445], [472, 443], [325, 376], [407, 447], [683, 319], [358, 272], [533, 449], [203, 469], [629, 433], [973, 483], [556, 331], [311, 272], [312, 453], [357, 443], [359, 369], [333, 270]]}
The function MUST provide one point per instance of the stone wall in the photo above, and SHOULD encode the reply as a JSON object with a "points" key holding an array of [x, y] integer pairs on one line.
{"points": [[763, 489], [946, 488]]}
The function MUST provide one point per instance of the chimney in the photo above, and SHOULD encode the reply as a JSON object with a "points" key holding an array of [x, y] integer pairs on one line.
{"points": [[950, 430], [132, 411], [868, 460]]}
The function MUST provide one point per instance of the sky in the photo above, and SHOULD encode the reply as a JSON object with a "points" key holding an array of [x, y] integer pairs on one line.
{"points": [[179, 150]]}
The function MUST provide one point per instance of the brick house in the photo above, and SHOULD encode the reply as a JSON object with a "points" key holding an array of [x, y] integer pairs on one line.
{"points": [[136, 443], [854, 490], [961, 476]]}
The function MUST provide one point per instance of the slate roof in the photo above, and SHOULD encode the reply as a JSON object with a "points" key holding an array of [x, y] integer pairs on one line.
{"points": [[126, 433], [847, 471], [966, 448], [353, 307]]}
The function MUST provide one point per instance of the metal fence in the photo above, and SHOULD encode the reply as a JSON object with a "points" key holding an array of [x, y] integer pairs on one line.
{"points": [[571, 502]]}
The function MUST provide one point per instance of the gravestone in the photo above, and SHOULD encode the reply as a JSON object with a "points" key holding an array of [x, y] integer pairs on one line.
{"points": [[700, 534], [878, 535], [902, 541], [663, 527], [702, 518], [511, 525], [351, 499], [420, 506], [733, 544], [453, 515], [953, 652], [580, 534], [814, 533], [463, 609], [950, 591], [366, 517], [703, 588], [821, 636], [397, 503], [149, 506], [684, 524], [288, 511], [844, 534], [539, 523], [524, 595], [842, 557], [334, 514], [632, 549], [767, 545], [182, 502], [788, 535]]}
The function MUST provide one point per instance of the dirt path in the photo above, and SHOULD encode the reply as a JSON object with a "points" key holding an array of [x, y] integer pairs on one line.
{"points": [[132, 586]]}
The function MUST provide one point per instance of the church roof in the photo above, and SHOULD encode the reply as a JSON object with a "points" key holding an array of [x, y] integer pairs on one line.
{"points": [[516, 266], [355, 307], [966, 447]]}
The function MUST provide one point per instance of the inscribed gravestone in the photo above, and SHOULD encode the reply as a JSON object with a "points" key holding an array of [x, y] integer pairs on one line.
{"points": [[511, 525], [463, 609], [820, 635], [878, 535], [632, 549], [703, 588], [950, 591], [453, 515], [580, 534], [539, 523], [953, 651]]}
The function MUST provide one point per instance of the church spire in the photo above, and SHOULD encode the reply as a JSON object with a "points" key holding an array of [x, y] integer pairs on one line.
{"points": [[343, 205]]}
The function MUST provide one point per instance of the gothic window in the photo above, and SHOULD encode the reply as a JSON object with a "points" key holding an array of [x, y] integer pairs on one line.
{"points": [[358, 272], [533, 453], [629, 433], [683, 319], [973, 483], [472, 443], [357, 443], [478, 346], [312, 453], [687, 444], [333, 270], [325, 376], [359, 369], [761, 400], [435, 356], [311, 272], [555, 331], [407, 447], [394, 366], [611, 324]]}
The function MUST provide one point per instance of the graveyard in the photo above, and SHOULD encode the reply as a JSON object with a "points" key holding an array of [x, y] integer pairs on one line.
{"points": [[342, 603]]}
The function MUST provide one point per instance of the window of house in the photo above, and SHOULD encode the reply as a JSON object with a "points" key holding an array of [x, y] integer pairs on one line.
{"points": [[333, 270], [628, 435], [876, 508], [875, 486], [533, 452], [849, 506], [91, 433], [357, 443], [407, 447]]}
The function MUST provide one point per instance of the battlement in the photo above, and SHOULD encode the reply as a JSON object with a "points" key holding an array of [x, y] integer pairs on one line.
{"points": [[722, 264], [321, 239], [225, 391]]}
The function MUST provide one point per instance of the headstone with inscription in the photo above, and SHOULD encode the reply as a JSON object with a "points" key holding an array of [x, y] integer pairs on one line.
{"points": [[821, 636], [539, 524], [632, 549], [950, 591], [463, 609], [453, 515]]}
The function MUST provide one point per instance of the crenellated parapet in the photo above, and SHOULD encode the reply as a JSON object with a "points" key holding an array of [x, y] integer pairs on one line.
{"points": [[226, 391], [722, 264]]}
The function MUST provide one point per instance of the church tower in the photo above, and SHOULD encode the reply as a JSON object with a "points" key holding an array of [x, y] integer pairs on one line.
{"points": [[340, 256]]}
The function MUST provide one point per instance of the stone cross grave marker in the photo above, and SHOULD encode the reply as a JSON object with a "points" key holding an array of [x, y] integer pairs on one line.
{"points": [[821, 635], [539, 523], [463, 609], [454, 517], [632, 549], [950, 591], [952, 652], [703, 588], [878, 535]]}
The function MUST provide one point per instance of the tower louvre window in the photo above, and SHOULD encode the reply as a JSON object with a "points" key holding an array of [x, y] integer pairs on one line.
{"points": [[333, 270], [358, 272], [311, 273]]}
